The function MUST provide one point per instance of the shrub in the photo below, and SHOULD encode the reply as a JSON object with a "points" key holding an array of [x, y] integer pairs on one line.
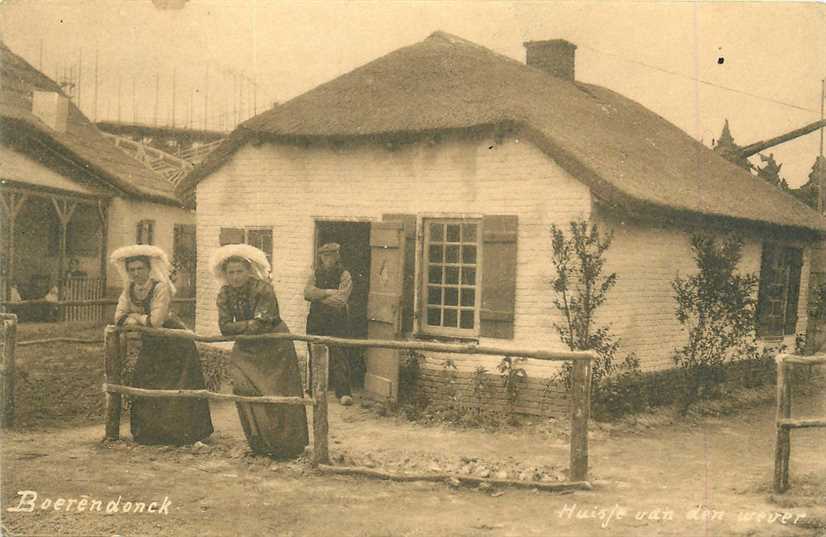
{"points": [[718, 310]]}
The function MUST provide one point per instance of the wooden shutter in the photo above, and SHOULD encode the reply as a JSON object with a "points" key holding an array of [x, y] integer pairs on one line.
{"points": [[231, 235], [498, 276], [408, 311], [793, 260]]}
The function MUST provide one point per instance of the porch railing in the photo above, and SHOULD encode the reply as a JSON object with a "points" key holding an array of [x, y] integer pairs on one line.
{"points": [[79, 289]]}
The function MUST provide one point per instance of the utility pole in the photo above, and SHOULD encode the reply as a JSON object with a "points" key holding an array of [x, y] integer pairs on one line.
{"points": [[820, 186], [157, 91], [119, 94], [134, 107], [80, 79], [173, 98], [95, 114], [206, 97]]}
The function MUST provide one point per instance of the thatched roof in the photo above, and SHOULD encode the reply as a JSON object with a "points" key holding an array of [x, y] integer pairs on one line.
{"points": [[82, 143], [629, 156]]}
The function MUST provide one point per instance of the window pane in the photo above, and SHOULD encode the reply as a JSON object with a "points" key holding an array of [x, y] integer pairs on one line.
{"points": [[468, 232], [436, 232], [450, 318], [467, 319], [468, 276], [434, 316], [452, 254], [435, 274], [453, 233], [451, 296], [468, 254], [452, 275], [468, 297], [434, 295], [436, 253]]}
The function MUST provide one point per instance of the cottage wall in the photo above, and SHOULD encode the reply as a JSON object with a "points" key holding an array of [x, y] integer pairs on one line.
{"points": [[646, 258], [287, 187], [123, 219], [456, 176]]}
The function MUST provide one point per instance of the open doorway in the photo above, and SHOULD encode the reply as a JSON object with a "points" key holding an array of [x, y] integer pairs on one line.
{"points": [[354, 238]]}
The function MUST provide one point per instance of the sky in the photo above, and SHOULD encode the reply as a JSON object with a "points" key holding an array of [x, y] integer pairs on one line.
{"points": [[757, 64]]}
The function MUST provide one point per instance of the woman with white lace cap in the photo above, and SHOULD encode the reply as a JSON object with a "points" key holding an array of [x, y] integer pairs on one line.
{"points": [[163, 362], [247, 305]]}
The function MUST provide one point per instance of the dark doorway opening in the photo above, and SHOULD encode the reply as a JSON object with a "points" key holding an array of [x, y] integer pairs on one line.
{"points": [[354, 238]]}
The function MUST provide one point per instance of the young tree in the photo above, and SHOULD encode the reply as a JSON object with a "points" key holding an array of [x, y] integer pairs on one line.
{"points": [[580, 288], [717, 307]]}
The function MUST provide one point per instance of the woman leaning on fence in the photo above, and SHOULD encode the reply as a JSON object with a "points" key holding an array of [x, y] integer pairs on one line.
{"points": [[163, 362], [247, 305]]}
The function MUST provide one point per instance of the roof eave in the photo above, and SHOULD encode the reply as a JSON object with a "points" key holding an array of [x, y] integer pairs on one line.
{"points": [[105, 177]]}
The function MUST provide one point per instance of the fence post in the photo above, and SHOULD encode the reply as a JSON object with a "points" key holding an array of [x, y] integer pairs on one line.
{"points": [[112, 363], [8, 369], [580, 413], [319, 359], [782, 446]]}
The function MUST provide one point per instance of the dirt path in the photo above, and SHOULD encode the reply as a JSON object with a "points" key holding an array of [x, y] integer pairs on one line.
{"points": [[723, 464]]}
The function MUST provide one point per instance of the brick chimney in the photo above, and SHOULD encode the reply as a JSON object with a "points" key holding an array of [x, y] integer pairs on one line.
{"points": [[554, 56], [51, 108]]}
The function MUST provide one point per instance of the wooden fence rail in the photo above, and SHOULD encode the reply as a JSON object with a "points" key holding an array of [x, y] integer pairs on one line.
{"points": [[785, 423], [115, 352]]}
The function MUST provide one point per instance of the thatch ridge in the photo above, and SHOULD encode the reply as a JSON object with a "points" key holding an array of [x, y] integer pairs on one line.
{"points": [[626, 153]]}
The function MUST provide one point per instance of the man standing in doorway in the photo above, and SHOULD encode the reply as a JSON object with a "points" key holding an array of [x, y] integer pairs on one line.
{"points": [[328, 291]]}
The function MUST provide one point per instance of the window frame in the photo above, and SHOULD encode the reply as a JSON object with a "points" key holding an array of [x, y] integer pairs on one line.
{"points": [[423, 327], [246, 237], [781, 253], [272, 239], [146, 226]]}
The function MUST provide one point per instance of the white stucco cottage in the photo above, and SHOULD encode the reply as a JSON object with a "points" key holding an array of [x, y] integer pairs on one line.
{"points": [[441, 167], [68, 193]]}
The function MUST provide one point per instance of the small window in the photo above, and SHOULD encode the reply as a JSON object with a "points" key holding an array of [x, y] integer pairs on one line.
{"points": [[261, 238], [451, 278], [779, 290], [145, 232]]}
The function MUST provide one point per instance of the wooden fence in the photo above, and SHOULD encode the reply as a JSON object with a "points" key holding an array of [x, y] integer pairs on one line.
{"points": [[785, 422], [78, 289], [79, 309], [115, 353], [8, 338]]}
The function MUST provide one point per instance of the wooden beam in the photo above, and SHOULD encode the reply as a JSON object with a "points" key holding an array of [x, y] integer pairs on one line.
{"points": [[204, 394], [554, 356], [112, 359], [103, 215], [59, 340], [319, 360], [9, 370], [580, 414], [782, 445], [801, 423], [818, 359], [559, 486]]}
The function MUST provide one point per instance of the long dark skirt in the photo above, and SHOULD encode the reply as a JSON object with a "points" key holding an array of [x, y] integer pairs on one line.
{"points": [[270, 368], [166, 363]]}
